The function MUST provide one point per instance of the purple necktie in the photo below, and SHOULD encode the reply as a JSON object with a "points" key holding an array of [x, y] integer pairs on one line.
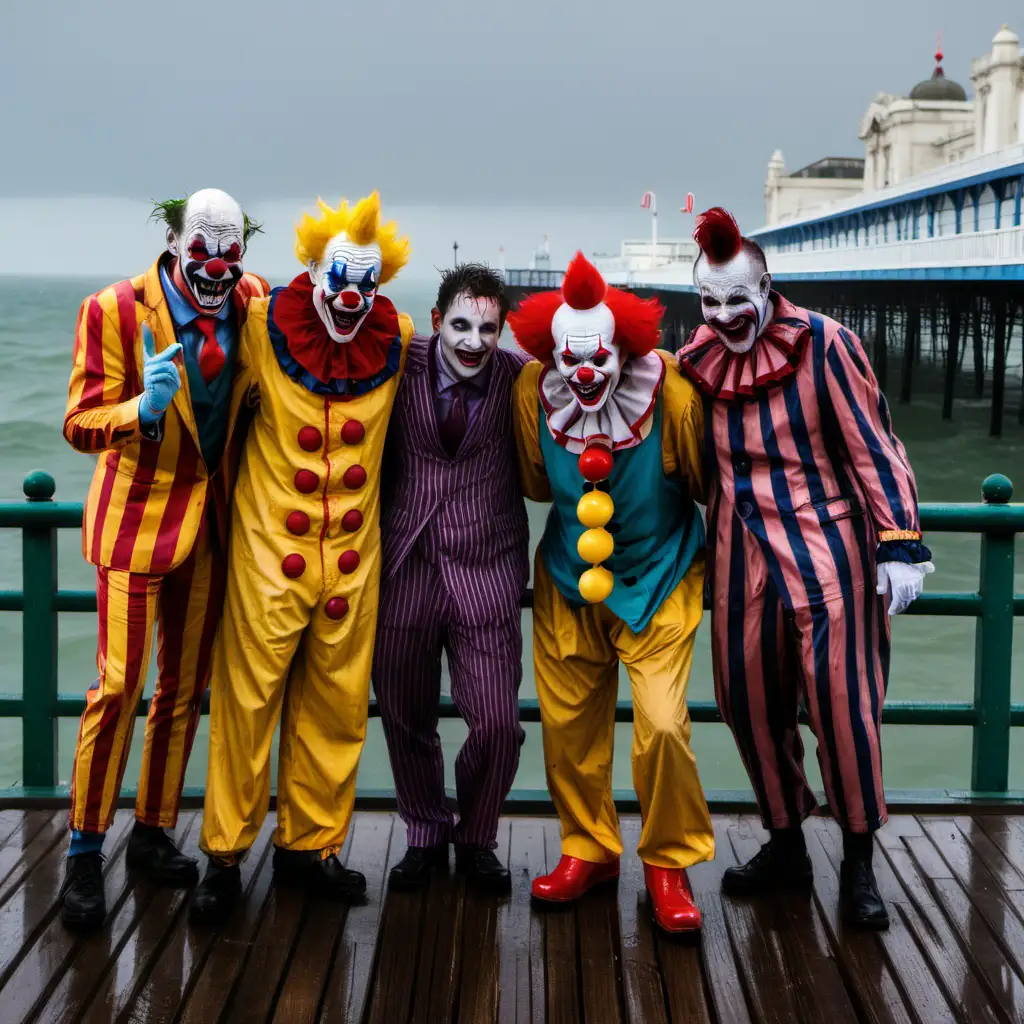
{"points": [[453, 429]]}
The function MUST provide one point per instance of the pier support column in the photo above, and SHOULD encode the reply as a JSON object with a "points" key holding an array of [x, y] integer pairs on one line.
{"points": [[999, 308], [952, 353], [910, 342], [979, 347], [881, 346]]}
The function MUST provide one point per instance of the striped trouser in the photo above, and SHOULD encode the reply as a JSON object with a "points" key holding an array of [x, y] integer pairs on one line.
{"points": [[185, 606], [832, 658], [418, 620]]}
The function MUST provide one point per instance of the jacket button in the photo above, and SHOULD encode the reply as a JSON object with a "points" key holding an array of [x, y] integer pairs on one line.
{"points": [[352, 520], [354, 478], [745, 510], [297, 523], [352, 432], [336, 608], [306, 481], [310, 439], [348, 561], [293, 566]]}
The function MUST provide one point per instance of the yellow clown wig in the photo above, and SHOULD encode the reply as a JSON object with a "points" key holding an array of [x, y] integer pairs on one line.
{"points": [[361, 224]]}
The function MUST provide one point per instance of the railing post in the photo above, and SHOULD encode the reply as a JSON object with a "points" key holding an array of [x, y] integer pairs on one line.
{"points": [[39, 642], [993, 650]]}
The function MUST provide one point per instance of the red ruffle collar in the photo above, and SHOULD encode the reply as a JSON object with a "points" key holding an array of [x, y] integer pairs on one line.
{"points": [[773, 357], [317, 352]]}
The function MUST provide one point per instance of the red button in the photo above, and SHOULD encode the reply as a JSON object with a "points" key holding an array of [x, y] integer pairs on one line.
{"points": [[348, 561], [354, 478], [310, 439], [352, 520], [297, 523], [352, 432], [306, 481], [336, 608], [293, 566]]}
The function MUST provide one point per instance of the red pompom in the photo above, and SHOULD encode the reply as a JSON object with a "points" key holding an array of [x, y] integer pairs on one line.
{"points": [[583, 286], [718, 235], [596, 464]]}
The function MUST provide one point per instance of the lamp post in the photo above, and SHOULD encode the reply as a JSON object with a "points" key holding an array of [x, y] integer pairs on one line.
{"points": [[455, 250]]}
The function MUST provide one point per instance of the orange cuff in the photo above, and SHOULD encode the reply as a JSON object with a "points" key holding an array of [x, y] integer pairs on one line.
{"points": [[885, 535]]}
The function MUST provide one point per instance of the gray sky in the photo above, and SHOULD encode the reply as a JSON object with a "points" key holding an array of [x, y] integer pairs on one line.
{"points": [[453, 103]]}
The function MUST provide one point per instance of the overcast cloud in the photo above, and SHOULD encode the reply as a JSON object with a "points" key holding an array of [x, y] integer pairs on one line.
{"points": [[454, 103]]}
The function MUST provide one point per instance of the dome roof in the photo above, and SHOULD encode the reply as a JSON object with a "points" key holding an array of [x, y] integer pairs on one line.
{"points": [[939, 87], [1005, 35]]}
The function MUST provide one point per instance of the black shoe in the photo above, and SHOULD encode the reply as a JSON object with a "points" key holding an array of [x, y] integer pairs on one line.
{"points": [[326, 876], [83, 905], [776, 865], [415, 869], [859, 900], [217, 895], [481, 866], [152, 852]]}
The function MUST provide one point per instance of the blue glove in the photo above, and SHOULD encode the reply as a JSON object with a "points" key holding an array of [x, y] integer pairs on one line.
{"points": [[160, 378]]}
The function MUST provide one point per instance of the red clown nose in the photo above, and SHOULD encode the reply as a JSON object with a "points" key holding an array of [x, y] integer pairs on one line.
{"points": [[350, 300], [216, 268], [585, 375]]}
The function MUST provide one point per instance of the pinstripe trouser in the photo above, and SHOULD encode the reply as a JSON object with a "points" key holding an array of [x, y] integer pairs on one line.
{"points": [[418, 619]]}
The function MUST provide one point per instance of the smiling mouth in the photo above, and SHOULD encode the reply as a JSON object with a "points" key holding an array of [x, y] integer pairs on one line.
{"points": [[346, 321], [469, 359], [211, 292], [735, 329], [589, 394]]}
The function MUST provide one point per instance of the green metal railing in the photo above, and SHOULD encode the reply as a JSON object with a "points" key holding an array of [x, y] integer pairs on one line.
{"points": [[994, 605]]}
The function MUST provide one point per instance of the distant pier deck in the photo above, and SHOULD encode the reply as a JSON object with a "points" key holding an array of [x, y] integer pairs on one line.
{"points": [[954, 886]]}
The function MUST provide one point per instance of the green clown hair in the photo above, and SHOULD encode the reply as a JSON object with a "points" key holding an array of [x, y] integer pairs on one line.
{"points": [[172, 213]]}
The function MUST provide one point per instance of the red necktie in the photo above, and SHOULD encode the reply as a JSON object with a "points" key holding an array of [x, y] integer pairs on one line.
{"points": [[211, 355], [453, 429]]}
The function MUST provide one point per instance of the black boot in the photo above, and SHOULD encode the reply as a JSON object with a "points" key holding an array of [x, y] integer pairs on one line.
{"points": [[479, 865], [415, 869], [859, 900], [83, 905], [217, 895], [782, 863], [326, 876], [152, 852]]}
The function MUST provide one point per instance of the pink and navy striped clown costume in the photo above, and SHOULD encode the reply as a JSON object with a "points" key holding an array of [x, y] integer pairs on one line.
{"points": [[812, 519]]}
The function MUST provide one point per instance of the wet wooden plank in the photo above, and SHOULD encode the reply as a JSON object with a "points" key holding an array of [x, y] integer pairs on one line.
{"points": [[813, 988], [563, 977], [13, 822], [597, 921], [184, 956], [990, 853], [642, 992], [869, 978], [145, 941], [970, 852], [17, 860], [1007, 833], [478, 984], [48, 956], [957, 971], [522, 983], [376, 840], [398, 948], [721, 970], [435, 990]]}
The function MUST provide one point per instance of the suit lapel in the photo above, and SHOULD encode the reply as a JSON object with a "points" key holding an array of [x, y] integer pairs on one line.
{"points": [[422, 398]]}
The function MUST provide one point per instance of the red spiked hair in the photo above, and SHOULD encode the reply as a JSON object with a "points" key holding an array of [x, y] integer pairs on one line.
{"points": [[637, 321], [718, 235]]}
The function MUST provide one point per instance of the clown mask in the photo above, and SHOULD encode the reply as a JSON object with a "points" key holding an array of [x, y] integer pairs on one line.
{"points": [[209, 248], [734, 298], [345, 283], [469, 332], [586, 354]]}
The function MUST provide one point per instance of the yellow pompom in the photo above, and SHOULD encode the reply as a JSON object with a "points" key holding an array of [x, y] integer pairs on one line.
{"points": [[595, 508], [595, 546], [596, 584]]}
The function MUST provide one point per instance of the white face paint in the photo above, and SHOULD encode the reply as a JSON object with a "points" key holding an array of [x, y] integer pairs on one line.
{"points": [[345, 283], [469, 334], [210, 247], [586, 354], [734, 298]]}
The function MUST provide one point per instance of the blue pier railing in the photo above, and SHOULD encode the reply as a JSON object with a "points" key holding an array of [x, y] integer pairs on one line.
{"points": [[991, 714]]}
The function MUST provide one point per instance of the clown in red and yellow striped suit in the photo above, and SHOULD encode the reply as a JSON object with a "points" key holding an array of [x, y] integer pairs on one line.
{"points": [[155, 521]]}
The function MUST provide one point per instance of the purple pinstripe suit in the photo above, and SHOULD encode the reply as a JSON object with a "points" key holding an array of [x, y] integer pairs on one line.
{"points": [[455, 539]]}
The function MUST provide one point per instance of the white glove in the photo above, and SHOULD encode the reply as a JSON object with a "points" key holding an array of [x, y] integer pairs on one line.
{"points": [[902, 582]]}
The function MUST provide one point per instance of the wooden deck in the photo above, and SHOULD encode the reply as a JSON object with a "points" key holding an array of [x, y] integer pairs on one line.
{"points": [[955, 951]]}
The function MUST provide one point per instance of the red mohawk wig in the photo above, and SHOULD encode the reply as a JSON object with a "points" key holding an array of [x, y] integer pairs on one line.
{"points": [[718, 235], [637, 321]]}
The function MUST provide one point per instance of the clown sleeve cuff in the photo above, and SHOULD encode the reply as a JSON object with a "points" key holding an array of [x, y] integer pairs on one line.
{"points": [[909, 551]]}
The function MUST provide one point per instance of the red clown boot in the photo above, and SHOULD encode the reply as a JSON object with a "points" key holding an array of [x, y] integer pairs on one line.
{"points": [[572, 878], [672, 899]]}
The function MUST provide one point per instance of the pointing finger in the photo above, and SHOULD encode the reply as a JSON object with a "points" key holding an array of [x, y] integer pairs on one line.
{"points": [[167, 355]]}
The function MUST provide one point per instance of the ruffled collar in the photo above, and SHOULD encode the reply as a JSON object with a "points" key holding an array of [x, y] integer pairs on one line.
{"points": [[773, 357], [625, 417], [295, 318]]}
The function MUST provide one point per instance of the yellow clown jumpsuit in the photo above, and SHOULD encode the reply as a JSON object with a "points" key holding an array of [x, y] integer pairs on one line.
{"points": [[576, 654], [296, 640]]}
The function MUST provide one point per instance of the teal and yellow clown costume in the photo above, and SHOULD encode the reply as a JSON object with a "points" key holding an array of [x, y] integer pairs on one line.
{"points": [[610, 433]]}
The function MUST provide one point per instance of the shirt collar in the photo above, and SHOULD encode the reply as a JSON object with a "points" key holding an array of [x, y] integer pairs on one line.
{"points": [[446, 380], [182, 311]]}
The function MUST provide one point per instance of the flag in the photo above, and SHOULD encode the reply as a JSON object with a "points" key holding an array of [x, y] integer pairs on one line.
{"points": [[648, 202], [688, 208]]}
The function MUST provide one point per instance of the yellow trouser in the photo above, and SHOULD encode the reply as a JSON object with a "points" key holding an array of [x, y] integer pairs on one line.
{"points": [[279, 655], [576, 655]]}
